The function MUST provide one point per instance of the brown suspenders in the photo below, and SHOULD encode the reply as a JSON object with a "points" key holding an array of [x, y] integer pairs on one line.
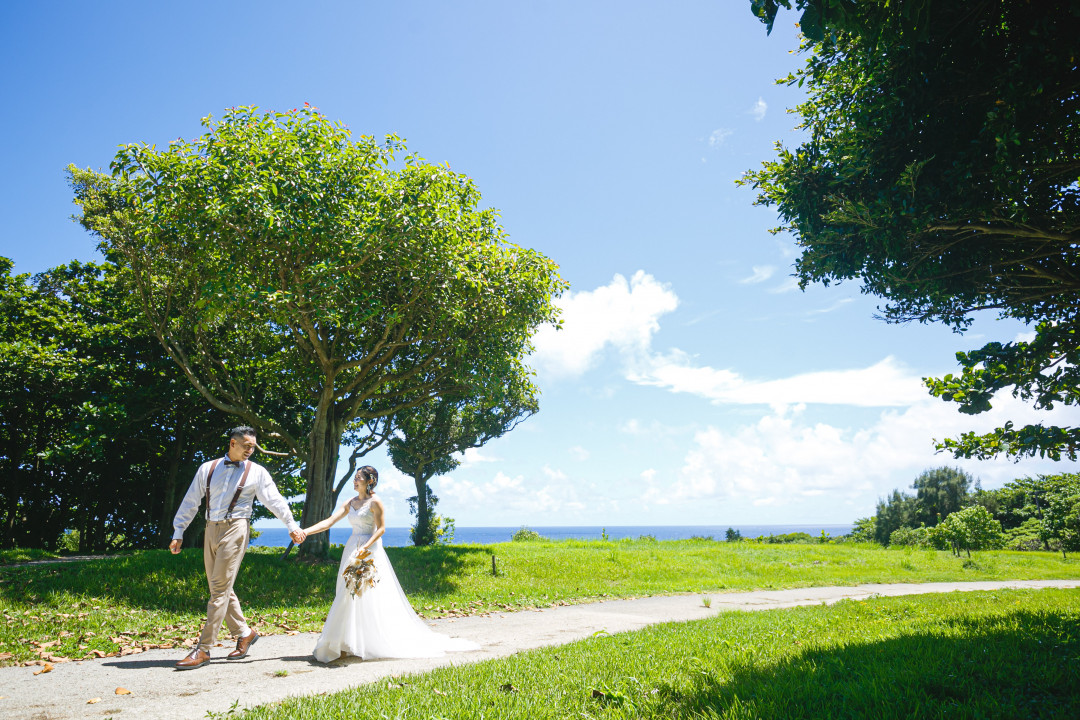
{"points": [[236, 495]]}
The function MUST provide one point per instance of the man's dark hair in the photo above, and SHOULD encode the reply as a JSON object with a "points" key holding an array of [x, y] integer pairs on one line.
{"points": [[241, 431]]}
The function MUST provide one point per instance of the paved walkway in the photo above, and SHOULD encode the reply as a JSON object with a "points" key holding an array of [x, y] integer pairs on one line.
{"points": [[159, 691]]}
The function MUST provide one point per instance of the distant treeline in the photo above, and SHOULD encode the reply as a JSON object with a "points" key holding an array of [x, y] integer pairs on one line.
{"points": [[946, 511]]}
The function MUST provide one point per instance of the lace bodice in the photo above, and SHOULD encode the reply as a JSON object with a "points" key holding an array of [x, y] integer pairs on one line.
{"points": [[362, 520]]}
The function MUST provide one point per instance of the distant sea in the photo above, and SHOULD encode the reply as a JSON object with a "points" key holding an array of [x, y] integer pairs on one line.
{"points": [[399, 537]]}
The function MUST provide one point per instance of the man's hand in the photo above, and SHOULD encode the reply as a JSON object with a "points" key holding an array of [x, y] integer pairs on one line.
{"points": [[298, 536], [174, 546]]}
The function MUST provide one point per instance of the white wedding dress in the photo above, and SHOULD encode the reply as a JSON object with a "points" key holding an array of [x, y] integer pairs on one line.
{"points": [[380, 623]]}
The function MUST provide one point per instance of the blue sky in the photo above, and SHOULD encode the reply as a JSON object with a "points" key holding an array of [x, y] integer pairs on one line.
{"points": [[692, 382]]}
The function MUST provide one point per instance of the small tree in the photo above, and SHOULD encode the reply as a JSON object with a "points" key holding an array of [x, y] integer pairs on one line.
{"points": [[732, 535], [972, 528], [1061, 515], [427, 437]]}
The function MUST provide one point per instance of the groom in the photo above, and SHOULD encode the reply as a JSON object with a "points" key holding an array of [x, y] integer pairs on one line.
{"points": [[230, 485]]}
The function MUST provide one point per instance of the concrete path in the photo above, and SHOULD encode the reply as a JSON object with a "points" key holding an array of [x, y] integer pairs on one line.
{"points": [[280, 666]]}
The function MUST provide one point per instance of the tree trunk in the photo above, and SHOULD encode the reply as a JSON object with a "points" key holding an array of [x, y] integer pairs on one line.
{"points": [[423, 511], [168, 492], [320, 473]]}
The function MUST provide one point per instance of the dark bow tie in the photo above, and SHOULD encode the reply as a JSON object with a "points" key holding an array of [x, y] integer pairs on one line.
{"points": [[233, 463]]}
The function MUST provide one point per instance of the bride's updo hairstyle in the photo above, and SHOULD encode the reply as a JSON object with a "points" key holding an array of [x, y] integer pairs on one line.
{"points": [[370, 476]]}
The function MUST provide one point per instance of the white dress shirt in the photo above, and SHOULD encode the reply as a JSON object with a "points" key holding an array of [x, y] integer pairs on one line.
{"points": [[222, 488]]}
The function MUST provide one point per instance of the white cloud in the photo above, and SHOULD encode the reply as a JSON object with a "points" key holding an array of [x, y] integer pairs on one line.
{"points": [[553, 474], [790, 284], [835, 306], [1025, 337], [391, 480], [515, 495], [718, 136], [623, 314], [783, 458], [883, 384], [579, 453], [761, 274], [759, 109], [473, 456]]}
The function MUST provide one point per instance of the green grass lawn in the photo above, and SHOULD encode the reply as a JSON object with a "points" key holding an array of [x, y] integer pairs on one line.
{"points": [[152, 598], [19, 555], [1002, 654]]}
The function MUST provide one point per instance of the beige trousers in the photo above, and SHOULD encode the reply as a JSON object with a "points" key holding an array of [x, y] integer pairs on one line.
{"points": [[223, 548]]}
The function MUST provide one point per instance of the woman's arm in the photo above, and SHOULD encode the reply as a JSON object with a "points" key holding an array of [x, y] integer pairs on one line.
{"points": [[328, 522], [380, 524]]}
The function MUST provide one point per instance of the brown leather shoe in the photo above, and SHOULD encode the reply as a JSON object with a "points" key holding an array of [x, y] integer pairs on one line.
{"points": [[196, 658], [242, 645]]}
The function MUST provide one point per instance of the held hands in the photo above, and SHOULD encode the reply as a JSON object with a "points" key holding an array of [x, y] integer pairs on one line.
{"points": [[174, 546], [298, 536]]}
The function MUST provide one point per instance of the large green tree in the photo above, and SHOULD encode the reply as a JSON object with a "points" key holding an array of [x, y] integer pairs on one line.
{"points": [[941, 170], [940, 492], [308, 282], [894, 512]]}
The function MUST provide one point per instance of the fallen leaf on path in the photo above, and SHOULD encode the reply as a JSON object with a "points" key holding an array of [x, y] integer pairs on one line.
{"points": [[44, 669], [123, 691], [92, 701]]}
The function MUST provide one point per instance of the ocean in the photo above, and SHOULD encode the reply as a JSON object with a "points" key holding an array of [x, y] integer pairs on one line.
{"points": [[399, 537]]}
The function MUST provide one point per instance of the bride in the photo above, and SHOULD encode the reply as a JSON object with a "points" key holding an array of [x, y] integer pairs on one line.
{"points": [[379, 623]]}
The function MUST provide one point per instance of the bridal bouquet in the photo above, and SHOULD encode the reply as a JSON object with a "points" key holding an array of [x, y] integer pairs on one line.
{"points": [[360, 574]]}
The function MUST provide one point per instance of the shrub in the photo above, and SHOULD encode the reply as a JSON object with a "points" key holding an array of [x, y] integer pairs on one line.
{"points": [[795, 537], [862, 530], [69, 542], [911, 537], [1024, 537], [526, 535], [440, 531]]}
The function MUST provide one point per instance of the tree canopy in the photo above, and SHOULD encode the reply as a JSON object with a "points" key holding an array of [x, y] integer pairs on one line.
{"points": [[941, 171], [99, 432], [308, 282]]}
